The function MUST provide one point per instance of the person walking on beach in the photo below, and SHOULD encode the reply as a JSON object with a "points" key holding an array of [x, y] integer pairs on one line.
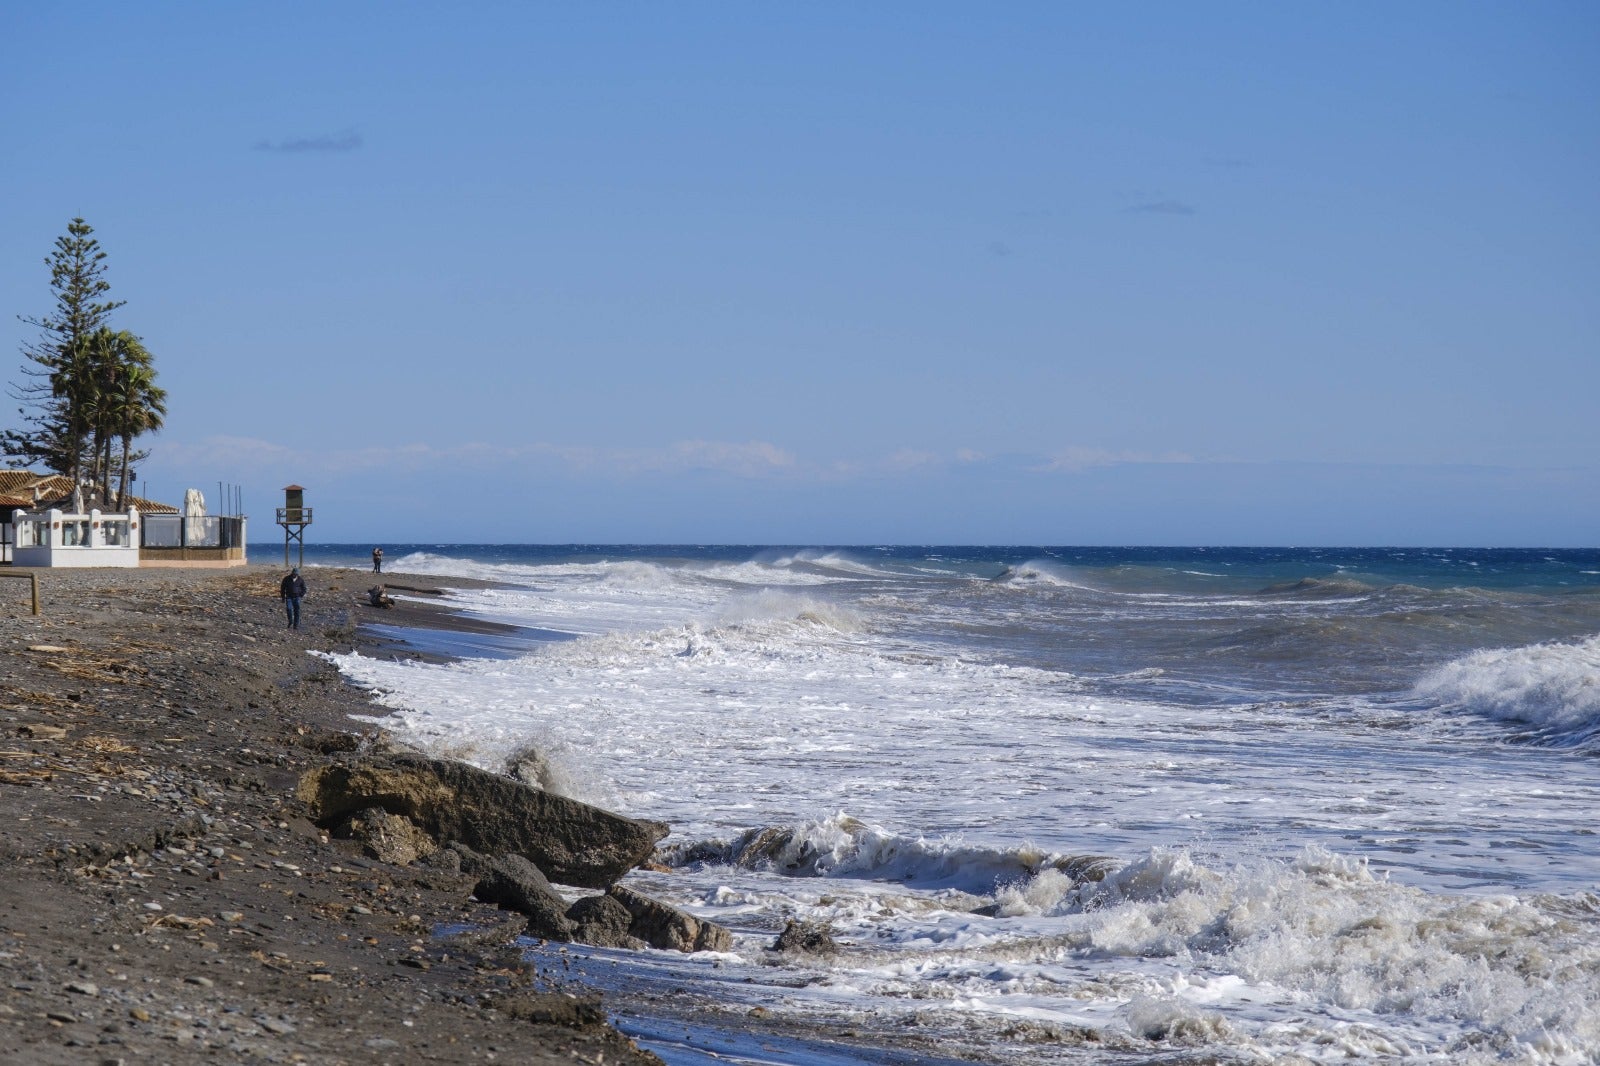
{"points": [[377, 560], [292, 590]]}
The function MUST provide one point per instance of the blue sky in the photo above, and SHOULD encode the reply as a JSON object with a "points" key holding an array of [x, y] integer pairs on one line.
{"points": [[911, 272]]}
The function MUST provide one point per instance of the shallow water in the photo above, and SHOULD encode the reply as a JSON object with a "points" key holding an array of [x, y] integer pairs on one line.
{"points": [[1346, 797]]}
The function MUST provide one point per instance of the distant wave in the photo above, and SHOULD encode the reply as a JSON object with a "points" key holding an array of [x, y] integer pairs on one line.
{"points": [[1041, 573], [1318, 588], [1554, 688], [832, 563]]}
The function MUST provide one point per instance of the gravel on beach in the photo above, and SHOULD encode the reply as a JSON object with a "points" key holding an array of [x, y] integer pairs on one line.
{"points": [[164, 898]]}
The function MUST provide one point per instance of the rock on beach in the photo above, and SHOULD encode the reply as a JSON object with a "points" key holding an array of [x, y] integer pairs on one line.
{"points": [[570, 842], [164, 898]]}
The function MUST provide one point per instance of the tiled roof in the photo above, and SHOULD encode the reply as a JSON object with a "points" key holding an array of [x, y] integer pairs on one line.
{"points": [[16, 490], [13, 480]]}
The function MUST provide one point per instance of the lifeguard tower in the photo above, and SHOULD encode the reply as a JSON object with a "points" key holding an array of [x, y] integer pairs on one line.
{"points": [[294, 516]]}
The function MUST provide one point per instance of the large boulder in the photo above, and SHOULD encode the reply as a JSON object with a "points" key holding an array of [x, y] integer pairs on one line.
{"points": [[603, 922], [668, 928], [516, 884], [572, 842]]}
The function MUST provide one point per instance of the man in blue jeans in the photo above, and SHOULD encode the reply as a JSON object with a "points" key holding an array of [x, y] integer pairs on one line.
{"points": [[292, 590]]}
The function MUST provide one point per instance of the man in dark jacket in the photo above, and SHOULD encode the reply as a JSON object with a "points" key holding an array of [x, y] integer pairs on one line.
{"points": [[292, 590]]}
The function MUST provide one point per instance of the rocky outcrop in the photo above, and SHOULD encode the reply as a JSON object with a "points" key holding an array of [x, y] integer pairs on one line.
{"points": [[571, 842], [668, 928]]}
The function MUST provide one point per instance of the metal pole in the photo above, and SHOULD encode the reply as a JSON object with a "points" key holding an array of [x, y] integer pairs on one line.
{"points": [[35, 583]]}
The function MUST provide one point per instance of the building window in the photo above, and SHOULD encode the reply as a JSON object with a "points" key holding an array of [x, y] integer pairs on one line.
{"points": [[75, 533], [114, 533], [28, 533]]}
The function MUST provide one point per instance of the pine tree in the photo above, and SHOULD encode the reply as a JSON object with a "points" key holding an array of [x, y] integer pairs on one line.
{"points": [[88, 386]]}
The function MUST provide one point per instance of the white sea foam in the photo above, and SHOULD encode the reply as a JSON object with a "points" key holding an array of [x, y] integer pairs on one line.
{"points": [[750, 703], [1316, 957], [1552, 687]]}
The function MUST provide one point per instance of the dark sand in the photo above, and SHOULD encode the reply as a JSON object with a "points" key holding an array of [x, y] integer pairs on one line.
{"points": [[165, 901]]}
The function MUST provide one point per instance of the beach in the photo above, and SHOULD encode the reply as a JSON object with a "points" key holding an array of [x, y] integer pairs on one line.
{"points": [[1082, 807], [166, 900]]}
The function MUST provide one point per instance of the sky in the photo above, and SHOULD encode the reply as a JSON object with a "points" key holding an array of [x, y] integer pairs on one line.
{"points": [[839, 273]]}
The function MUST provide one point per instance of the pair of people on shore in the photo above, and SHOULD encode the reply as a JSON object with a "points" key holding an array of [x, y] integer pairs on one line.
{"points": [[292, 589], [377, 560]]}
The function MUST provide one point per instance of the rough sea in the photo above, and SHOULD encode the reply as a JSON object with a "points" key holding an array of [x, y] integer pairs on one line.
{"points": [[1066, 805]]}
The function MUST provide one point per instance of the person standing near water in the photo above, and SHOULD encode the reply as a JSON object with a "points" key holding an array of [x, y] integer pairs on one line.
{"points": [[292, 590], [377, 560]]}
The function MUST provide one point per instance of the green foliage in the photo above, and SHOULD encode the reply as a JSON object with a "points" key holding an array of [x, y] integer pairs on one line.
{"points": [[87, 387]]}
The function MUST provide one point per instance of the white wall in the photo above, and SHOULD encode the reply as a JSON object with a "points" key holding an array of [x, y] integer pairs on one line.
{"points": [[91, 551]]}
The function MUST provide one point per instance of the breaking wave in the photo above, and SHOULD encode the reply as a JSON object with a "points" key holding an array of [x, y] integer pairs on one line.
{"points": [[1553, 688], [844, 846], [1523, 973], [1513, 979], [1041, 573]]}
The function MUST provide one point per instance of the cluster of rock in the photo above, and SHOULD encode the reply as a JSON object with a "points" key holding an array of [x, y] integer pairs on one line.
{"points": [[514, 839]]}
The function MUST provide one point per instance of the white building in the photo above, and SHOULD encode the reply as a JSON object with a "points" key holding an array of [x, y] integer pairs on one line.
{"points": [[40, 525], [52, 538]]}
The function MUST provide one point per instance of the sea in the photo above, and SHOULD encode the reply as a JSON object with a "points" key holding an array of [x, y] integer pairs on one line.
{"points": [[1061, 805]]}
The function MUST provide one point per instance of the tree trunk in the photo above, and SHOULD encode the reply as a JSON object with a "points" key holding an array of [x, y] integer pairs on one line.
{"points": [[122, 488]]}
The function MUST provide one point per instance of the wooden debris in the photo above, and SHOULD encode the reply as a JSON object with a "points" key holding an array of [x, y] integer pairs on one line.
{"points": [[25, 777]]}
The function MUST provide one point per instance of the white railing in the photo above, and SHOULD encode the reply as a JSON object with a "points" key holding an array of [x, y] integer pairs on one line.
{"points": [[54, 538]]}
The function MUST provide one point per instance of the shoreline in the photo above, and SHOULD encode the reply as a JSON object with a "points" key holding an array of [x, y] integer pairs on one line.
{"points": [[166, 899]]}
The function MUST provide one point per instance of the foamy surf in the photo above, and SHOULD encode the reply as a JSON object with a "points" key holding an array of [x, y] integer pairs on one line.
{"points": [[1178, 815], [1316, 957]]}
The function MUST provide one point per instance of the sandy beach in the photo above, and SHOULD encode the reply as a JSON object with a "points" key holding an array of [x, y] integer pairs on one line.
{"points": [[167, 900]]}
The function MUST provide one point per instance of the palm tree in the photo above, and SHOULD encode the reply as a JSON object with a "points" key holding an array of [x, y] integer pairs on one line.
{"points": [[108, 388], [138, 406]]}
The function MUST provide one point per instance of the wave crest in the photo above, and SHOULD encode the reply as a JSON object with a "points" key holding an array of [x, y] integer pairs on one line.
{"points": [[1041, 573], [844, 846], [1553, 687]]}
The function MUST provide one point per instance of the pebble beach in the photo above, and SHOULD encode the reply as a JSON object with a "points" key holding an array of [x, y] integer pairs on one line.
{"points": [[165, 897]]}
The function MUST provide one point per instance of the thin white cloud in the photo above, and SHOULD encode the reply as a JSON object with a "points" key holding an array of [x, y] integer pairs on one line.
{"points": [[752, 459], [911, 459]]}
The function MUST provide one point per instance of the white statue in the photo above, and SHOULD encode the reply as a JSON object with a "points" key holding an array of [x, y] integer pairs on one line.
{"points": [[194, 509]]}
